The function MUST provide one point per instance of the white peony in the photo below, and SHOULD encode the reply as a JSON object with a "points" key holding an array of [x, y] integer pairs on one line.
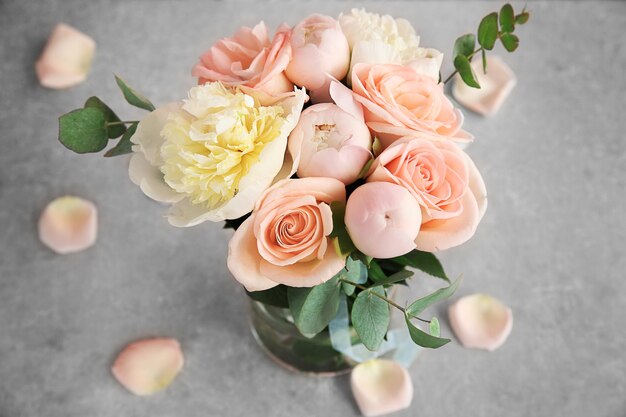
{"points": [[376, 39], [215, 153]]}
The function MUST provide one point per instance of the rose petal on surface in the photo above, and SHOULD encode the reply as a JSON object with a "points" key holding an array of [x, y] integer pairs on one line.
{"points": [[147, 366], [381, 386], [495, 87], [66, 59], [68, 224], [480, 321]]}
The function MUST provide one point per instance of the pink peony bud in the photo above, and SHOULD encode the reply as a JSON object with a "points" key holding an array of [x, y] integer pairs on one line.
{"points": [[329, 142], [383, 219], [66, 59], [320, 51]]}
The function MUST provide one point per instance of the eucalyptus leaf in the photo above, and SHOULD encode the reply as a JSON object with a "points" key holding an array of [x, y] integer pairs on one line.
{"points": [[434, 327], [370, 317], [395, 278], [313, 308], [522, 18], [464, 45], [423, 303], [488, 31], [509, 41], [507, 19], [355, 271], [375, 272], [463, 66], [83, 130], [343, 241], [114, 131], [124, 146], [134, 97], [422, 338], [276, 297], [424, 261]]}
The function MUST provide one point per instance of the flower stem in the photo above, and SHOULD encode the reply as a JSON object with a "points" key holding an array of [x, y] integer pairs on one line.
{"points": [[469, 57], [382, 297]]}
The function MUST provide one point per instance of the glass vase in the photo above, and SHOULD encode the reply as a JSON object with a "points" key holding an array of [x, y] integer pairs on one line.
{"points": [[275, 332]]}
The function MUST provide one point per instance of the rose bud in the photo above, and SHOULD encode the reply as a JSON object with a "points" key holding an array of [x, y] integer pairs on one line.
{"points": [[383, 219], [66, 59], [330, 142], [320, 52]]}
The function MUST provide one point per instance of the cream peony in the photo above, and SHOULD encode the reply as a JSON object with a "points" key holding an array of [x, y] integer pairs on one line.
{"points": [[376, 39], [214, 154]]}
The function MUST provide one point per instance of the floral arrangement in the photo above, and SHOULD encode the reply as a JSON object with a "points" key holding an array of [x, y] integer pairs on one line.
{"points": [[332, 151]]}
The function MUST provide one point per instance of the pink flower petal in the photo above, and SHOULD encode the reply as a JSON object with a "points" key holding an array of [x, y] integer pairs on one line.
{"points": [[66, 59], [381, 386], [480, 321], [68, 224], [147, 366]]}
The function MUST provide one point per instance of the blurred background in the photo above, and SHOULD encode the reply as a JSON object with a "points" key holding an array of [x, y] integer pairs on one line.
{"points": [[551, 245]]}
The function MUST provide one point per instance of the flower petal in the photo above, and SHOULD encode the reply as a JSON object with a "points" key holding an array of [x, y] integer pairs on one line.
{"points": [[150, 180], [68, 224], [147, 137], [381, 386]]}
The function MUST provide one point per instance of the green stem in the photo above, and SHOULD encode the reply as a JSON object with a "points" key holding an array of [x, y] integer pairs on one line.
{"points": [[382, 297], [125, 122], [469, 57]]}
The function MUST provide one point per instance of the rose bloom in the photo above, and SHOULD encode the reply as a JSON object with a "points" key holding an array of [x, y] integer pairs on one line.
{"points": [[249, 59], [331, 141], [444, 181], [383, 219], [286, 239], [214, 154], [320, 52], [376, 39], [400, 102]]}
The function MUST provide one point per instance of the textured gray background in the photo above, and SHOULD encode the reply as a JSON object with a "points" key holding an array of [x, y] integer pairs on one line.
{"points": [[551, 245]]}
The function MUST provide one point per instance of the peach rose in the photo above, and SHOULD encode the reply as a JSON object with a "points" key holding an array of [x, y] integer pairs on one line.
{"points": [[249, 59], [444, 181], [285, 240], [399, 102]]}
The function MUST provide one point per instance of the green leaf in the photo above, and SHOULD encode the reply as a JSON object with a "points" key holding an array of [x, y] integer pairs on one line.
{"points": [[423, 303], [363, 258], [484, 58], [370, 317], [83, 130], [424, 261], [355, 271], [134, 97], [114, 131], [276, 296], [343, 241], [509, 41], [464, 45], [522, 18], [488, 31], [124, 146], [463, 66], [507, 19], [422, 338], [434, 328], [397, 277], [366, 168], [313, 308], [375, 272]]}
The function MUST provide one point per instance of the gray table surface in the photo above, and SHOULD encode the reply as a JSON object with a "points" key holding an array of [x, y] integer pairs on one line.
{"points": [[551, 245]]}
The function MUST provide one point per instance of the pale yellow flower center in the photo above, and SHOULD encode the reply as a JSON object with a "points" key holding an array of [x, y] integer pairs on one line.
{"points": [[213, 140]]}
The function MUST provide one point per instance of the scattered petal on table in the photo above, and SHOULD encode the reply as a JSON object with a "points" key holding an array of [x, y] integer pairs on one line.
{"points": [[66, 59], [381, 386], [147, 366], [495, 86], [68, 224], [480, 321]]}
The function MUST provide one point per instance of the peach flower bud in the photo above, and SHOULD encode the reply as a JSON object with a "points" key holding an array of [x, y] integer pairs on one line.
{"points": [[320, 50], [147, 366], [381, 386], [383, 219], [329, 142], [480, 321], [68, 224], [495, 87], [66, 59]]}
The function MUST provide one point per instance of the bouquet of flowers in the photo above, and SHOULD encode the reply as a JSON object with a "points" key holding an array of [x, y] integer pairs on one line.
{"points": [[332, 151]]}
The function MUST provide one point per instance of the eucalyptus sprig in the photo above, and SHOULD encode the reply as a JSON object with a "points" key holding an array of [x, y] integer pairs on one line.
{"points": [[89, 129], [492, 27]]}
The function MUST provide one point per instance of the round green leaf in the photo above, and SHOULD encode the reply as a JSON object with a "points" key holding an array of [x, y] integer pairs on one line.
{"points": [[370, 317], [83, 130], [464, 45], [522, 18], [463, 66], [313, 308], [114, 131], [509, 41], [488, 31], [507, 19]]}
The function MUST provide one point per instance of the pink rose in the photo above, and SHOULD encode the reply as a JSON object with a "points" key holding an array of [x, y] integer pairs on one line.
{"points": [[383, 219], [320, 53], [331, 141], [285, 240], [399, 102], [249, 59], [445, 183]]}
